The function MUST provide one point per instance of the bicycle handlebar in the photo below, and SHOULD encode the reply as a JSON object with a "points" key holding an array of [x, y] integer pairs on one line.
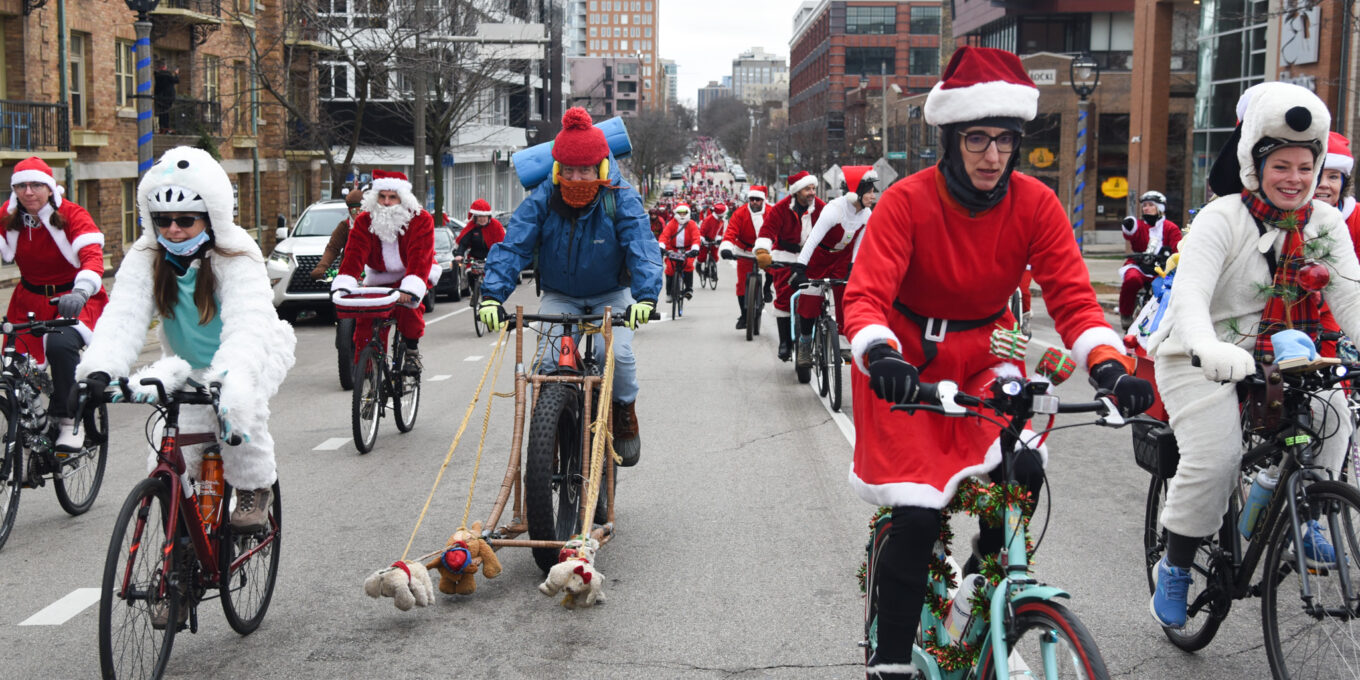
{"points": [[818, 283], [1013, 397], [616, 318], [206, 395], [35, 327], [773, 265]]}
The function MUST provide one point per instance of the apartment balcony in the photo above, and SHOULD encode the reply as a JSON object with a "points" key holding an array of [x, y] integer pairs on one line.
{"points": [[33, 128], [188, 121], [308, 37], [190, 11]]}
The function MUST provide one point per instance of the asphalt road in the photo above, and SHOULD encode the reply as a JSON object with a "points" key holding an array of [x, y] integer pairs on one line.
{"points": [[737, 547]]}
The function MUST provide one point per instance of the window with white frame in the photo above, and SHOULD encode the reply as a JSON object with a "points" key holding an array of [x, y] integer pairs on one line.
{"points": [[75, 60], [124, 73]]}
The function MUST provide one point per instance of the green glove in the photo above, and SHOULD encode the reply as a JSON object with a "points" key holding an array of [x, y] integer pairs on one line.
{"points": [[639, 313], [492, 314]]}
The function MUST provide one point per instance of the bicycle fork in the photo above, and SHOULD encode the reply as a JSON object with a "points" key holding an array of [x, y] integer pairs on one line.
{"points": [[1293, 488]]}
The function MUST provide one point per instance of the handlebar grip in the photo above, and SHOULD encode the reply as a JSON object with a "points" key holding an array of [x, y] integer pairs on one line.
{"points": [[234, 440]]}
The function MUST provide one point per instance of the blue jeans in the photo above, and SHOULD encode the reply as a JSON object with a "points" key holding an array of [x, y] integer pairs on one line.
{"points": [[625, 364]]}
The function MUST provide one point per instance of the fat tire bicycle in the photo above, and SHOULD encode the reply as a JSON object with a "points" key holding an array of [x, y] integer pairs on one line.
{"points": [[378, 377], [25, 425], [165, 558], [1026, 625], [675, 283], [1279, 432], [826, 350]]}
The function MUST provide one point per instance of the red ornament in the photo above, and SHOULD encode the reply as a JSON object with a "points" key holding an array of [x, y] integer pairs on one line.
{"points": [[1313, 277]]}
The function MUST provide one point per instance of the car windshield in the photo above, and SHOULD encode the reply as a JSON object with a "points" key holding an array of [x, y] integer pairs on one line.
{"points": [[443, 240], [320, 220]]}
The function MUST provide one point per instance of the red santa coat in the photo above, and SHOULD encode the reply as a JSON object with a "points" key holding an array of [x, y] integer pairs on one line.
{"points": [[1146, 237], [56, 257], [711, 229], [675, 238], [407, 263], [493, 232], [1352, 217], [783, 235], [925, 251], [740, 238]]}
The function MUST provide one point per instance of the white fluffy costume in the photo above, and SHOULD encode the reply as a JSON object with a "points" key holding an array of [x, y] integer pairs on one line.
{"points": [[256, 348], [1218, 303]]}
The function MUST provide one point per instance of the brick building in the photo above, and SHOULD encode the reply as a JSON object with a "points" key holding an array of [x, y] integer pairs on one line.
{"points": [[846, 53], [619, 29], [91, 139]]}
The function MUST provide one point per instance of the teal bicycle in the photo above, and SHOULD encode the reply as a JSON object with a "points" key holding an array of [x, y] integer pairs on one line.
{"points": [[1018, 629]]}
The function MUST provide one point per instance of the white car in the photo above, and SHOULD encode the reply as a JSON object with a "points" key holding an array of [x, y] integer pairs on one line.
{"points": [[290, 265]]}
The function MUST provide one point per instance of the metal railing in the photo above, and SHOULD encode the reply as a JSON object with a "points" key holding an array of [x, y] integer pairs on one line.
{"points": [[210, 7], [34, 126], [192, 117]]}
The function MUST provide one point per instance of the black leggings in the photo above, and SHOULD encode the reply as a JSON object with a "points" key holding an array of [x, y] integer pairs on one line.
{"points": [[902, 570], [63, 353]]}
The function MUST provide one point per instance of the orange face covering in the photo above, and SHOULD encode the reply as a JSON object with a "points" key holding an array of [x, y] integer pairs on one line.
{"points": [[579, 193]]}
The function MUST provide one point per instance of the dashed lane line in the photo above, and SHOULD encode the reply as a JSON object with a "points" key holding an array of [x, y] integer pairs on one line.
{"points": [[437, 378], [332, 444], [475, 357], [63, 610]]}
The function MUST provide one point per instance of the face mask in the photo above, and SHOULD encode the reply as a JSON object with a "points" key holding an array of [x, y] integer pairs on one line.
{"points": [[186, 247], [579, 193]]}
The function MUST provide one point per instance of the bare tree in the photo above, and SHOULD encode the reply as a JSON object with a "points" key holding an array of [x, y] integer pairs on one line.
{"points": [[727, 120], [658, 142]]}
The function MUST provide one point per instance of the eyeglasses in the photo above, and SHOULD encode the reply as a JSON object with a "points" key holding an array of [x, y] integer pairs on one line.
{"points": [[977, 142], [182, 221], [755, 200], [29, 186], [355, 208]]}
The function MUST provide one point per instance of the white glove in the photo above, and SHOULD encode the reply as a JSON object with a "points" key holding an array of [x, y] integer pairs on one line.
{"points": [[1224, 361]]}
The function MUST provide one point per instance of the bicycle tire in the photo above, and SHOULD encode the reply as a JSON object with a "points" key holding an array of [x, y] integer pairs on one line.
{"points": [[873, 550], [131, 647], [820, 361], [675, 296], [1034, 622], [833, 361], [406, 398], [475, 292], [1339, 506], [459, 277], [11, 472], [344, 352], [248, 589], [552, 470], [81, 475], [367, 400], [1201, 623], [753, 305]]}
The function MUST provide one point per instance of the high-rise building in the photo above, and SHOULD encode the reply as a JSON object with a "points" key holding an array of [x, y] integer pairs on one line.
{"points": [[605, 86], [756, 67], [618, 29], [710, 93], [672, 82]]}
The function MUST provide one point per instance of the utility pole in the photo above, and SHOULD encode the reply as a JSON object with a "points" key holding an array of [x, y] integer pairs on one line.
{"points": [[418, 101], [883, 71]]}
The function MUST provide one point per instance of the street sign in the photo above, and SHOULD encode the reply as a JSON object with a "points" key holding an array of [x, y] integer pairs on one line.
{"points": [[897, 155], [833, 176], [886, 174]]}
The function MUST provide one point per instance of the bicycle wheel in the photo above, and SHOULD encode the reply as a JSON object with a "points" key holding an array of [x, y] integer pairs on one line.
{"points": [[873, 550], [1208, 601], [675, 294], [249, 567], [474, 295], [1051, 642], [753, 305], [1321, 638], [344, 352], [406, 399], [552, 470], [366, 406], [11, 471], [135, 588], [81, 475], [820, 362]]}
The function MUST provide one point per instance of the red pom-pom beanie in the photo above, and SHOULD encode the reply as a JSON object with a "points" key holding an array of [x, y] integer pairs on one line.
{"points": [[580, 142]]}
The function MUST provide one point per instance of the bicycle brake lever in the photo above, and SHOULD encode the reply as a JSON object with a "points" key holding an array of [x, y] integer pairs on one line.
{"points": [[1112, 418], [946, 390]]}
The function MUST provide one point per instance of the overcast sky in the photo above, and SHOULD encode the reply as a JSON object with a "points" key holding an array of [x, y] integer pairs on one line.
{"points": [[704, 36]]}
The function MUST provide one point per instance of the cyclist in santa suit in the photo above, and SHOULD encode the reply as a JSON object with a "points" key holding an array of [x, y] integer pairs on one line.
{"points": [[781, 238], [936, 266], [740, 239], [1148, 233], [681, 235]]}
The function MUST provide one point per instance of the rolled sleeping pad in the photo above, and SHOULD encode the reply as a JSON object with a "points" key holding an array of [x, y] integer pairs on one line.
{"points": [[534, 164]]}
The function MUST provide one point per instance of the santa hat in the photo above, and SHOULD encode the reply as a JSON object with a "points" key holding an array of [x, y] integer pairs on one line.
{"points": [[857, 177], [800, 180], [1339, 154], [384, 180], [579, 143], [480, 207], [33, 169], [756, 191], [982, 82], [1279, 115], [682, 206], [720, 208]]}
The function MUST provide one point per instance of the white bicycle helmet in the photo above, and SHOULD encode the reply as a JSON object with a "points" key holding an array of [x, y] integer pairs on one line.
{"points": [[171, 198], [1154, 196]]}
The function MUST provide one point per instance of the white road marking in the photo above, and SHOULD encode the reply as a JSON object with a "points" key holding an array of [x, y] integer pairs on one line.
{"points": [[332, 444], [456, 312], [842, 421], [62, 610], [475, 357], [437, 378]]}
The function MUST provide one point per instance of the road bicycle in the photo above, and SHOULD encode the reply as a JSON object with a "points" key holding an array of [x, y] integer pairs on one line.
{"points": [[755, 295], [476, 269], [675, 283], [707, 267], [1309, 611], [25, 391], [378, 377], [1026, 632], [826, 350], [166, 556]]}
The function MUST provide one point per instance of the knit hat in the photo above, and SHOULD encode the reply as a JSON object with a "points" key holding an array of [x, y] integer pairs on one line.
{"points": [[385, 180], [480, 207], [756, 191], [801, 179], [982, 82], [33, 169], [1339, 154], [579, 143]]}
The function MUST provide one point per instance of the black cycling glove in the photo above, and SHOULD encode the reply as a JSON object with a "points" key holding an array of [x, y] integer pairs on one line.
{"points": [[890, 376], [1132, 394]]}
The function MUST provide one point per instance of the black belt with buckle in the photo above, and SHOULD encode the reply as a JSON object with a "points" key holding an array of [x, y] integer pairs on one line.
{"points": [[933, 330], [47, 290]]}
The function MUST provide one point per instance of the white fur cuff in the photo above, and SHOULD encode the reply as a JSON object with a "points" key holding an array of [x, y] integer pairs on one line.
{"points": [[414, 285], [763, 244], [88, 281], [1092, 338], [344, 281], [868, 337]]}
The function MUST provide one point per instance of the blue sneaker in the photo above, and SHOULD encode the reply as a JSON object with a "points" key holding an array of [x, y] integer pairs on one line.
{"points": [[1168, 603], [1317, 550]]}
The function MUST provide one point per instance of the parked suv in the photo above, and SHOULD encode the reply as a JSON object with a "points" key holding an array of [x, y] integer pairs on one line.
{"points": [[290, 265]]}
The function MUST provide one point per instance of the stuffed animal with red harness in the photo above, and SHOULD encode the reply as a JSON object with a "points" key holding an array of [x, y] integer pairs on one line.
{"points": [[576, 575], [407, 583], [465, 553]]}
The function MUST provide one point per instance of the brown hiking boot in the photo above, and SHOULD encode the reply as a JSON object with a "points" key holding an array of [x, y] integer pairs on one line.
{"points": [[626, 440], [252, 510]]}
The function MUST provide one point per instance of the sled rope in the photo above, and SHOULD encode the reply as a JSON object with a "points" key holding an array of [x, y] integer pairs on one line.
{"points": [[497, 355], [601, 438]]}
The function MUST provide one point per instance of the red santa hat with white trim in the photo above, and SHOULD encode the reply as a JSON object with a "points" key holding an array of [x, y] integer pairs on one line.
{"points": [[757, 191], [801, 180], [33, 169], [386, 180], [980, 83], [1339, 154], [479, 207]]}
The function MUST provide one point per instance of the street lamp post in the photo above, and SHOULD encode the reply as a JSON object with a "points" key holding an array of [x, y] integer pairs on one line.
{"points": [[1084, 75], [883, 130], [142, 48]]}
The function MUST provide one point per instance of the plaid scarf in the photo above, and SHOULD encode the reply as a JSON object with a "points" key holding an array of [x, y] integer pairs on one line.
{"points": [[1289, 306]]}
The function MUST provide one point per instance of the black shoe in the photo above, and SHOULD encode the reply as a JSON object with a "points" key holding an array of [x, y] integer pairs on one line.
{"points": [[412, 366], [689, 294], [785, 350], [741, 323]]}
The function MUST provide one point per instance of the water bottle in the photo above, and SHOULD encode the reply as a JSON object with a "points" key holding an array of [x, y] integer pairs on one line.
{"points": [[210, 488], [1257, 500], [960, 612]]}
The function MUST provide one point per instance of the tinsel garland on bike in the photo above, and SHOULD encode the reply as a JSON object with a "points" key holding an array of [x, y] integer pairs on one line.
{"points": [[989, 502]]}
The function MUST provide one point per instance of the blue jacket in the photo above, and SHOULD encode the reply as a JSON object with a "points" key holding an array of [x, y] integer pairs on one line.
{"points": [[580, 257]]}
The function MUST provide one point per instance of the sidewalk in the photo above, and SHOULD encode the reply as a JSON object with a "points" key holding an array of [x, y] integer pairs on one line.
{"points": [[1103, 262]]}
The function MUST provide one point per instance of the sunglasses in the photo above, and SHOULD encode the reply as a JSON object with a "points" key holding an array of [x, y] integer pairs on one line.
{"points": [[182, 221]]}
